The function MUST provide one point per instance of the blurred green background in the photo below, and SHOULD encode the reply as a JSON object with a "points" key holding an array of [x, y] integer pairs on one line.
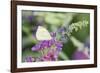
{"points": [[52, 21]]}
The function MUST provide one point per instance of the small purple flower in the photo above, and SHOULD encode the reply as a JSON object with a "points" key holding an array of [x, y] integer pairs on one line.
{"points": [[59, 46], [45, 44], [79, 55], [29, 59], [62, 29], [30, 18], [53, 34], [36, 47], [49, 57]]}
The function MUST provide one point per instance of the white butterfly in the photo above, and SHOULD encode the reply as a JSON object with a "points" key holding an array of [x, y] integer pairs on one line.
{"points": [[43, 34]]}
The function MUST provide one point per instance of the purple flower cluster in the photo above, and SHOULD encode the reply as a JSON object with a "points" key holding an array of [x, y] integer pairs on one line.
{"points": [[51, 56], [53, 46], [29, 59], [79, 55], [47, 44]]}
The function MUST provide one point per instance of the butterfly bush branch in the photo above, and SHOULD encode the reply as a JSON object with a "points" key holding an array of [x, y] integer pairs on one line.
{"points": [[77, 26], [66, 32]]}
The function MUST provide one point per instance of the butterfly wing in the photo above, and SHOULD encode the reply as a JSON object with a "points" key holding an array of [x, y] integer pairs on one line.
{"points": [[43, 34]]}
